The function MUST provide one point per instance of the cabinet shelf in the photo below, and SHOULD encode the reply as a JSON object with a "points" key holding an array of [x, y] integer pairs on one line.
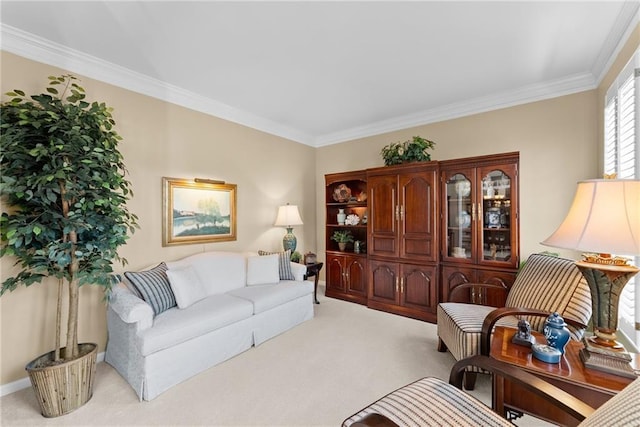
{"points": [[347, 226], [348, 204], [347, 252]]}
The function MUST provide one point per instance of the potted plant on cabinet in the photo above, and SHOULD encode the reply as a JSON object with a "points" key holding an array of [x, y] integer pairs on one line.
{"points": [[342, 237], [63, 183], [415, 149]]}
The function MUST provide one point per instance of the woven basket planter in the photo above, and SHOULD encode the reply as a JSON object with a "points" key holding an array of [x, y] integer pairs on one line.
{"points": [[66, 386]]}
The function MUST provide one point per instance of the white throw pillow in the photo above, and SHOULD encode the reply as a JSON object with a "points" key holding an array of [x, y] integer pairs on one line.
{"points": [[262, 270], [186, 286]]}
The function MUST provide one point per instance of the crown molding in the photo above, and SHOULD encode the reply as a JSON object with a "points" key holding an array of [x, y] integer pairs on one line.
{"points": [[42, 50], [524, 95], [626, 23]]}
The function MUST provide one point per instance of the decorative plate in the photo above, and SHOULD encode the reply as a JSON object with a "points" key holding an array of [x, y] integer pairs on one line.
{"points": [[342, 193], [463, 188], [464, 219], [352, 219]]}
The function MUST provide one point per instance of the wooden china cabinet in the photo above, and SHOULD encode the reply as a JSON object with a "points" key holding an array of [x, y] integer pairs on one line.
{"points": [[480, 224], [422, 230], [403, 249], [346, 271]]}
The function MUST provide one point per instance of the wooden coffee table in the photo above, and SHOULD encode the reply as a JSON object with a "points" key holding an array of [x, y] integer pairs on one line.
{"points": [[591, 386]]}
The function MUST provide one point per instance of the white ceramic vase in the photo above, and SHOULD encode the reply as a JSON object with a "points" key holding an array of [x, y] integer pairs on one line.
{"points": [[341, 216]]}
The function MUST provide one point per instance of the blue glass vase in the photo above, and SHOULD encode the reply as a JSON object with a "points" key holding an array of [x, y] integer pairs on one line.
{"points": [[556, 332]]}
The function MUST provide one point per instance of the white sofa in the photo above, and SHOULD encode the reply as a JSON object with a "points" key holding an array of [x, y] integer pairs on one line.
{"points": [[244, 304]]}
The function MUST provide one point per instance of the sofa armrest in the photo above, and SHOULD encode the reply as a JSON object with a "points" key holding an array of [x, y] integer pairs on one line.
{"points": [[130, 308], [299, 271], [499, 313]]}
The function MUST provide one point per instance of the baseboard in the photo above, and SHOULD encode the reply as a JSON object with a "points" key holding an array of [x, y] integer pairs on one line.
{"points": [[24, 382]]}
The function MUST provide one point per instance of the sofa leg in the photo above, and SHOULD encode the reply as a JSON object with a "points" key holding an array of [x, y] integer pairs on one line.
{"points": [[442, 347], [470, 380]]}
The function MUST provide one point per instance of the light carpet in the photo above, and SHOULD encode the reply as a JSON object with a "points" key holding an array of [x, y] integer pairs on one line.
{"points": [[316, 374]]}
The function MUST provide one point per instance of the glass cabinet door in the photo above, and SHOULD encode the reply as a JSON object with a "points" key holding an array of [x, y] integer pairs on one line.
{"points": [[459, 217], [498, 236]]}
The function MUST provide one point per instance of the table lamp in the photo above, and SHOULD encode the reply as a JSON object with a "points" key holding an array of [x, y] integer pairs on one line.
{"points": [[604, 219], [288, 216]]}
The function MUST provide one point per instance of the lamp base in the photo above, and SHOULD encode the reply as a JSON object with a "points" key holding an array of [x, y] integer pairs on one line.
{"points": [[606, 359], [289, 241]]}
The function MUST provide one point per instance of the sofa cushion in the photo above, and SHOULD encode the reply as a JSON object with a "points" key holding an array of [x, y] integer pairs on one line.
{"points": [[265, 297], [219, 272], [153, 285], [262, 270], [284, 264], [186, 286], [176, 326]]}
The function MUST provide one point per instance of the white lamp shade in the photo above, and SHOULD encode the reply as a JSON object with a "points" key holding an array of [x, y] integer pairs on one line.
{"points": [[604, 218], [288, 215]]}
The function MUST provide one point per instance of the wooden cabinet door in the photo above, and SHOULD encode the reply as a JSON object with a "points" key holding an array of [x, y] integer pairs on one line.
{"points": [[384, 282], [418, 221], [501, 278], [383, 216], [356, 273], [418, 287], [452, 277], [455, 276], [459, 216], [335, 274], [497, 241]]}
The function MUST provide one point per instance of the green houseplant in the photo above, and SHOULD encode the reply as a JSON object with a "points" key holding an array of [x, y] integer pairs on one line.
{"points": [[63, 182], [413, 150], [342, 237]]}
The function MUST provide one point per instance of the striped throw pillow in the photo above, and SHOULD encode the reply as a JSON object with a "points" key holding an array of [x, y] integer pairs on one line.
{"points": [[154, 287], [284, 263]]}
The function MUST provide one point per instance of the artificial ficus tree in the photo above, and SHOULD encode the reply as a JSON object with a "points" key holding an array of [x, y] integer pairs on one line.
{"points": [[63, 183]]}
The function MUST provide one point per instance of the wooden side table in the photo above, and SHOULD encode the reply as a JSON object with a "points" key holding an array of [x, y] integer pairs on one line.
{"points": [[313, 270], [591, 386]]}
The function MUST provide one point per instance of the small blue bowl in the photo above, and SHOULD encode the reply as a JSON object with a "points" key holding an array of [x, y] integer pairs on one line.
{"points": [[546, 353]]}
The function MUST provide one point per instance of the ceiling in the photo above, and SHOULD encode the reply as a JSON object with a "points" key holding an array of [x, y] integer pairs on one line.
{"points": [[326, 72]]}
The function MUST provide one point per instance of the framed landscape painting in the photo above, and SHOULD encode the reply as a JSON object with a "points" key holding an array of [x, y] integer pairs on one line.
{"points": [[197, 212]]}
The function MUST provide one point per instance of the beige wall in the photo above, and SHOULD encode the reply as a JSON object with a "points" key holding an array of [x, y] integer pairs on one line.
{"points": [[557, 141], [162, 139]]}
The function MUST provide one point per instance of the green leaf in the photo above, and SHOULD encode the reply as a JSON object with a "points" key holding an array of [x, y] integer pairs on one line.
{"points": [[52, 90]]}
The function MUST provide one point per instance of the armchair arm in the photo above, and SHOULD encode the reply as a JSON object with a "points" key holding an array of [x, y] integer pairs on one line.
{"points": [[559, 398], [497, 314], [374, 420], [493, 286], [130, 308]]}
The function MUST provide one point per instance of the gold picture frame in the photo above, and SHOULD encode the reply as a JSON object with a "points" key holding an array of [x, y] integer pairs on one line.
{"points": [[197, 211]]}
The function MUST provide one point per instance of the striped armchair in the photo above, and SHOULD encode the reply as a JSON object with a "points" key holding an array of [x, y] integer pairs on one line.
{"points": [[434, 402], [545, 284]]}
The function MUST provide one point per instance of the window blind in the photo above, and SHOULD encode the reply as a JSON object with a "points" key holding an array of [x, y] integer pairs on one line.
{"points": [[622, 157]]}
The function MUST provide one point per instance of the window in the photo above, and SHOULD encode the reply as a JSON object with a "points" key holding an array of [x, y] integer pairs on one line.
{"points": [[622, 157]]}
